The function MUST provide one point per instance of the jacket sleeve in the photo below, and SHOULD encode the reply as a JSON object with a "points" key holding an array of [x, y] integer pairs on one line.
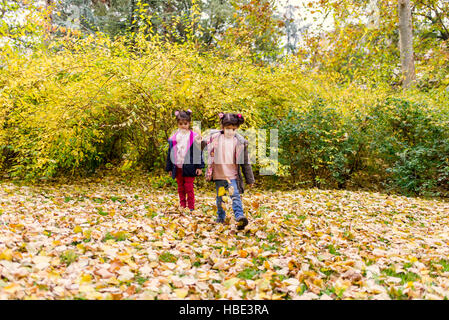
{"points": [[169, 163], [203, 144], [246, 167], [202, 160], [198, 152]]}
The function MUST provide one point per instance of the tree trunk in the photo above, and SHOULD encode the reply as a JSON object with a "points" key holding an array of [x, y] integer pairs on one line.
{"points": [[406, 43], [49, 21], [132, 16]]}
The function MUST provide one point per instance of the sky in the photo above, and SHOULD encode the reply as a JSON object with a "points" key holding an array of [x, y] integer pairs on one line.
{"points": [[304, 14], [314, 22]]}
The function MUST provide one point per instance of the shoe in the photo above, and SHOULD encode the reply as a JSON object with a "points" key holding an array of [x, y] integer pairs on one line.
{"points": [[241, 223], [218, 220]]}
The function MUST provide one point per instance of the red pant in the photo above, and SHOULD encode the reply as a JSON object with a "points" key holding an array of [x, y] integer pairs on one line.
{"points": [[185, 187]]}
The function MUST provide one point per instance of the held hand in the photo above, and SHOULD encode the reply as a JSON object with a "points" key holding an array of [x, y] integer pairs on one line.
{"points": [[199, 172], [198, 138]]}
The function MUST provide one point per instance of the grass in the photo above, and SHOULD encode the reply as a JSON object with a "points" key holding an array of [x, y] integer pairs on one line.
{"points": [[404, 276], [121, 236], [167, 257], [118, 236], [115, 198], [97, 200], [302, 289], [101, 212], [68, 257], [332, 250], [327, 272], [248, 273], [141, 280], [397, 294], [445, 264], [107, 237], [271, 237], [259, 260]]}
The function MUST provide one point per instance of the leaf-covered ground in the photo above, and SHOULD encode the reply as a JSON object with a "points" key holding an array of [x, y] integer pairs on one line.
{"points": [[102, 239]]}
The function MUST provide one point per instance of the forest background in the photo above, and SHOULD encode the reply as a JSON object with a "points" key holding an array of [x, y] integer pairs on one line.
{"points": [[91, 85]]}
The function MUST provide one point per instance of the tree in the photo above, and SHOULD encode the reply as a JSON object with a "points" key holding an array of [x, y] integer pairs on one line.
{"points": [[434, 15], [253, 24], [291, 28], [22, 24], [256, 28], [406, 42]]}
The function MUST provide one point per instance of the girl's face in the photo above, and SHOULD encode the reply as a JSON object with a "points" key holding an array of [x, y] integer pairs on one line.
{"points": [[230, 130], [183, 124]]}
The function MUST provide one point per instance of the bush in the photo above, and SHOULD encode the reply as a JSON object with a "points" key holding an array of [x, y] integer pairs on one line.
{"points": [[83, 102], [412, 144], [93, 100], [320, 144], [402, 143]]}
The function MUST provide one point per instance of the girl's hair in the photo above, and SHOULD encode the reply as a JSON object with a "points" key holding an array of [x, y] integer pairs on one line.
{"points": [[183, 115], [235, 119]]}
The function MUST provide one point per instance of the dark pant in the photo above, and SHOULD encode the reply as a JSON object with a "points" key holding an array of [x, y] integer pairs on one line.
{"points": [[185, 187]]}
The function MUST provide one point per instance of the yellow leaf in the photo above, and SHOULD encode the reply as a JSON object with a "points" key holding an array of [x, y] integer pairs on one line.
{"points": [[113, 280], [13, 287], [181, 293], [85, 278], [229, 283], [291, 265], [6, 255], [277, 296], [221, 191], [263, 284], [77, 229], [243, 253], [87, 233], [318, 282]]}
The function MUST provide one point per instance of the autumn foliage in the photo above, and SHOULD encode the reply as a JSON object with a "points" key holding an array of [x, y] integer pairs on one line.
{"points": [[76, 103]]}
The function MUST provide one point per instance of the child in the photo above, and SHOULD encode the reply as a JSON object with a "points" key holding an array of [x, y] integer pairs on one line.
{"points": [[227, 153], [184, 158]]}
